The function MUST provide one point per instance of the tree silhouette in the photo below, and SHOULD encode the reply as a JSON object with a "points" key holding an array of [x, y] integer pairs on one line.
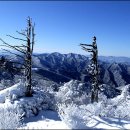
{"points": [[25, 51], [93, 68]]}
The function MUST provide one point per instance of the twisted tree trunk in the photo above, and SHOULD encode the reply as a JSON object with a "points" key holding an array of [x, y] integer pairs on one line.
{"points": [[93, 68]]}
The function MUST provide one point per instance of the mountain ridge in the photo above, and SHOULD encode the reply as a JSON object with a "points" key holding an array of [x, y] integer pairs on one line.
{"points": [[56, 66]]}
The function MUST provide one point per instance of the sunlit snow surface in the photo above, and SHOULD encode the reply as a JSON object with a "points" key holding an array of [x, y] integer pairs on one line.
{"points": [[45, 120], [108, 123], [50, 120]]}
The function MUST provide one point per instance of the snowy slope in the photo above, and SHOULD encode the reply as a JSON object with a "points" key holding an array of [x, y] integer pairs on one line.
{"points": [[45, 120], [107, 114], [15, 90], [109, 123], [50, 120]]}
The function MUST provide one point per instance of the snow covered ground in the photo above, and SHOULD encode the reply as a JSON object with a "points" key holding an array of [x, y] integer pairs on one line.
{"points": [[108, 114], [51, 120], [109, 123], [13, 91], [45, 120]]}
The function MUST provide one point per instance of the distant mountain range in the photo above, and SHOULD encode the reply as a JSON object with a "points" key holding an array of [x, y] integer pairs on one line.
{"points": [[114, 71], [112, 59], [54, 69]]}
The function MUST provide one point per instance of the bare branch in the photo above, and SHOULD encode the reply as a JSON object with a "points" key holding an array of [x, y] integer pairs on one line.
{"points": [[19, 46], [86, 45], [15, 46], [13, 53], [12, 46], [22, 33], [4, 45], [23, 50], [24, 45], [17, 63], [17, 38], [86, 49]]}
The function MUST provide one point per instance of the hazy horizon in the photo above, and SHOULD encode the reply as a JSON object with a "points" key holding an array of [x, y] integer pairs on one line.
{"points": [[49, 52]]}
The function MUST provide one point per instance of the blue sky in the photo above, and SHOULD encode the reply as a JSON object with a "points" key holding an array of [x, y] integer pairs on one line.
{"points": [[62, 25]]}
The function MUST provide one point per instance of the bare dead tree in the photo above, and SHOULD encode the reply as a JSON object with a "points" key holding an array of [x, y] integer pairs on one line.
{"points": [[28, 57], [93, 68], [26, 51]]}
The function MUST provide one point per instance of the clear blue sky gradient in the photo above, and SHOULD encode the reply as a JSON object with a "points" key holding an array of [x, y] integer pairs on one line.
{"points": [[62, 25]]}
